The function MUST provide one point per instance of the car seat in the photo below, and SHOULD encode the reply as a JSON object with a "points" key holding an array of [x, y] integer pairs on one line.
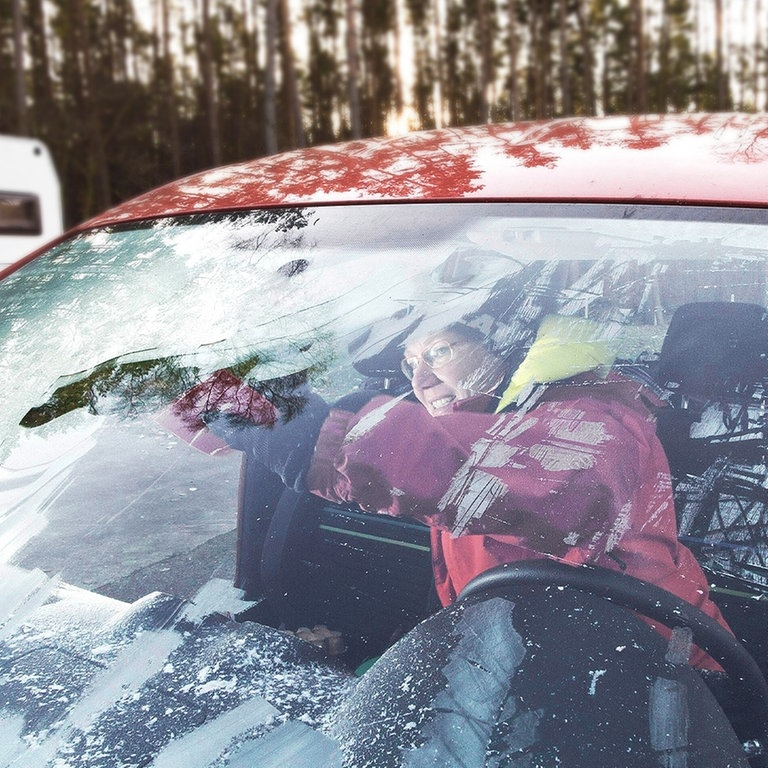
{"points": [[713, 369]]}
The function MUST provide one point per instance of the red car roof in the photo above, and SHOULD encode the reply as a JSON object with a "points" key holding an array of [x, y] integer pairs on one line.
{"points": [[710, 158]]}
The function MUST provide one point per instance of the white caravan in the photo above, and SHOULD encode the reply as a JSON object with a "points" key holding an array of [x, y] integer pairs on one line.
{"points": [[30, 198]]}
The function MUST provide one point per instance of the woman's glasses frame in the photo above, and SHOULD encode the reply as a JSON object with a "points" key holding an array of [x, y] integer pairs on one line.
{"points": [[438, 354]]}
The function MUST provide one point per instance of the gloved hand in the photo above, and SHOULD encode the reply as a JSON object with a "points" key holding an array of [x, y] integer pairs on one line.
{"points": [[279, 432]]}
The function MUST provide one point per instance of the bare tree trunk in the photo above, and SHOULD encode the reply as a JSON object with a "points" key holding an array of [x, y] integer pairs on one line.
{"points": [[765, 59], [719, 61], [697, 54], [762, 36], [742, 65], [535, 63], [270, 90], [398, 63], [512, 53], [290, 83], [98, 168], [565, 69], [758, 11], [353, 72], [170, 84], [485, 52], [437, 25], [210, 87], [664, 72], [44, 122], [541, 58], [119, 28], [640, 96], [590, 100], [22, 119], [252, 53], [548, 96]]}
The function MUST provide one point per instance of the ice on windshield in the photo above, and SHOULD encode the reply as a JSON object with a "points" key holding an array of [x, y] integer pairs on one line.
{"points": [[243, 455], [110, 327]]}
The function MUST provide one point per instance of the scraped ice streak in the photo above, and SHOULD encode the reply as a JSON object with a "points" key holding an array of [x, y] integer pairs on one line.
{"points": [[130, 669], [206, 743], [35, 473], [620, 526], [479, 672], [215, 596], [472, 491], [12, 746], [23, 592], [372, 419], [291, 744], [127, 669], [657, 513], [572, 444]]}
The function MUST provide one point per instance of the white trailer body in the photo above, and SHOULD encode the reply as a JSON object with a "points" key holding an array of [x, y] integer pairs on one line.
{"points": [[30, 198]]}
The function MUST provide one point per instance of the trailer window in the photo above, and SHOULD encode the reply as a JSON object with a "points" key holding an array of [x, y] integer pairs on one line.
{"points": [[20, 214]]}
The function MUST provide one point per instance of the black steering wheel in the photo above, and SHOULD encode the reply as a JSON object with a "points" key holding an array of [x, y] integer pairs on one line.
{"points": [[648, 600]]}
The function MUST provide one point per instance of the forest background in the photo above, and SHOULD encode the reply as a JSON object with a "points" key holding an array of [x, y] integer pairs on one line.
{"points": [[129, 94]]}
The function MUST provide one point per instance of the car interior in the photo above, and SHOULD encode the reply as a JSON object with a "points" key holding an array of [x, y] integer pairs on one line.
{"points": [[369, 577]]}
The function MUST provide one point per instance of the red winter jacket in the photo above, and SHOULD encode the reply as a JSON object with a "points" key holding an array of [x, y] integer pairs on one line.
{"points": [[579, 476]]}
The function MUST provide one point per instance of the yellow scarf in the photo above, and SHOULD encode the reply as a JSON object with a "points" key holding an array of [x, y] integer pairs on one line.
{"points": [[564, 347]]}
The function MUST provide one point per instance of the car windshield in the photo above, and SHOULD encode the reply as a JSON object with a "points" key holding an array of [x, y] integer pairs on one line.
{"points": [[137, 362]]}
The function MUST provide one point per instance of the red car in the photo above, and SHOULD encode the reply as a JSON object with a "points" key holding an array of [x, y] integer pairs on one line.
{"points": [[447, 449]]}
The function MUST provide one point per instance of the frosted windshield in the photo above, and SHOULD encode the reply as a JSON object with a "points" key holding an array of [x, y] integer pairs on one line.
{"points": [[110, 326], [144, 365]]}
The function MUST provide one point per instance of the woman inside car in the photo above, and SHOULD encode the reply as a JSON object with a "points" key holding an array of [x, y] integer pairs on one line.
{"points": [[557, 458]]}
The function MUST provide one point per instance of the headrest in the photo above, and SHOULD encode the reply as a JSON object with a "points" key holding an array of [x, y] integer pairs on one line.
{"points": [[713, 349]]}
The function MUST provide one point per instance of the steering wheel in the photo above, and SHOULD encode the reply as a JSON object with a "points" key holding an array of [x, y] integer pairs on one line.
{"points": [[648, 600]]}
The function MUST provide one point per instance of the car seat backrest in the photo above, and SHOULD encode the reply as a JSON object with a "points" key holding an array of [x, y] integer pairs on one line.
{"points": [[713, 367], [715, 350]]}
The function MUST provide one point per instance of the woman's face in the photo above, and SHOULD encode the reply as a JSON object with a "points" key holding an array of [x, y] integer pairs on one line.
{"points": [[446, 367]]}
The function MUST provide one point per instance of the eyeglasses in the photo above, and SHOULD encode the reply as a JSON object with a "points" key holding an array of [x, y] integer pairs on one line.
{"points": [[438, 354]]}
